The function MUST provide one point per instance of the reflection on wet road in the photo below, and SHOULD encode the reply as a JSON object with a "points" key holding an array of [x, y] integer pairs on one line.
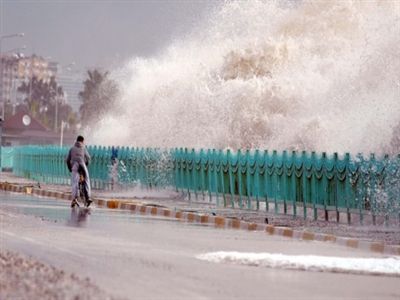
{"points": [[79, 216]]}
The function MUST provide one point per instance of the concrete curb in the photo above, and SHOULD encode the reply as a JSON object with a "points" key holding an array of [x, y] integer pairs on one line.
{"points": [[217, 221]]}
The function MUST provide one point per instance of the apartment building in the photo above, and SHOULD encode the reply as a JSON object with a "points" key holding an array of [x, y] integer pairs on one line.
{"points": [[14, 69]]}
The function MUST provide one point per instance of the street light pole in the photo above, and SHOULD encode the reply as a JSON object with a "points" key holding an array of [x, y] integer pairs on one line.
{"points": [[67, 67], [62, 133], [1, 67], [56, 116]]}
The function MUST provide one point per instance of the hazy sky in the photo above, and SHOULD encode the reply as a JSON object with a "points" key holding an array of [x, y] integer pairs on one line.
{"points": [[97, 33]]}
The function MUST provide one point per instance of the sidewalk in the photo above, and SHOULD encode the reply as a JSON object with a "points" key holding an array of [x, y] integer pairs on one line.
{"points": [[178, 202]]}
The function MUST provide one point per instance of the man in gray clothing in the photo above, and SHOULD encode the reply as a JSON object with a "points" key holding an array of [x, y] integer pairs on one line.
{"points": [[77, 161]]}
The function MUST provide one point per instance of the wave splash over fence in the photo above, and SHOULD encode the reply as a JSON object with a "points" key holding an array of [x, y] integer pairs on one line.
{"points": [[314, 76]]}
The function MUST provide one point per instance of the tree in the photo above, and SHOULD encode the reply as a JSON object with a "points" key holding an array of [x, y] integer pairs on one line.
{"points": [[98, 96], [43, 98]]}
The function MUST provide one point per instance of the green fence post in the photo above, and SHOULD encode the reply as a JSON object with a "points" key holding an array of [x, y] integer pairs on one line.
{"points": [[360, 193], [239, 157], [293, 186], [382, 175], [276, 182], [372, 186], [256, 180], [223, 169], [194, 173], [247, 169], [304, 181], [188, 162], [267, 180], [210, 174], [203, 169], [217, 168], [314, 187], [231, 182], [285, 183], [176, 167], [344, 176]]}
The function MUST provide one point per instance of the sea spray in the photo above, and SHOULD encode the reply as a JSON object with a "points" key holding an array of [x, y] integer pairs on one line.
{"points": [[312, 75]]}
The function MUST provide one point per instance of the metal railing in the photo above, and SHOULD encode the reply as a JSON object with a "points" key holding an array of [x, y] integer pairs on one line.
{"points": [[7, 156], [300, 184]]}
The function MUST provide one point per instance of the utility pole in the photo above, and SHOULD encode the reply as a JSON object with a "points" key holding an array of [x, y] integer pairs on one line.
{"points": [[62, 133], [30, 81], [67, 67], [56, 117]]}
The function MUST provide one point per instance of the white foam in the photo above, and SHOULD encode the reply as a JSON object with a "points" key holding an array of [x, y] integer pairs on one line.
{"points": [[301, 75], [370, 266]]}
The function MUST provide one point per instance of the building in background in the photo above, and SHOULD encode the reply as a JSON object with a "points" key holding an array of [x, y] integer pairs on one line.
{"points": [[24, 129], [72, 83], [8, 77], [14, 70]]}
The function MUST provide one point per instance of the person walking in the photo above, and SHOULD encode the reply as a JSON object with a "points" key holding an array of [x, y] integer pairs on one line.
{"points": [[77, 160]]}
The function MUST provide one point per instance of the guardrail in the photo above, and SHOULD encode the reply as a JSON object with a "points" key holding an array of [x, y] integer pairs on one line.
{"points": [[306, 184]]}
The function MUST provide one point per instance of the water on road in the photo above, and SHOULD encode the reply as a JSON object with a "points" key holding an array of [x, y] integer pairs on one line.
{"points": [[146, 257]]}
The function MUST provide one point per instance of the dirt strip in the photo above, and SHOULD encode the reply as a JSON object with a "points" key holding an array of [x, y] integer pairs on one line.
{"points": [[23, 278]]}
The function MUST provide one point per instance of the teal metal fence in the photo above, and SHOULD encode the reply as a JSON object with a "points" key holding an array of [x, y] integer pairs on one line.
{"points": [[7, 156], [299, 181], [306, 184], [148, 167]]}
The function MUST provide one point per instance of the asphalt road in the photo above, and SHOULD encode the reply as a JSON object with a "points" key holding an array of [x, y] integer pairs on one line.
{"points": [[143, 257]]}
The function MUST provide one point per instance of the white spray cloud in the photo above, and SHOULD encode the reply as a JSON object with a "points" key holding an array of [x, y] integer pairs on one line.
{"points": [[389, 266], [319, 75]]}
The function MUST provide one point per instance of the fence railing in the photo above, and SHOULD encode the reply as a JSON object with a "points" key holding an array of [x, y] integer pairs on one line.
{"points": [[149, 167], [295, 181], [307, 184], [7, 156]]}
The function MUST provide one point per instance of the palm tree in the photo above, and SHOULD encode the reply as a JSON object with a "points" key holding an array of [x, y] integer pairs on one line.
{"points": [[97, 97], [40, 98]]}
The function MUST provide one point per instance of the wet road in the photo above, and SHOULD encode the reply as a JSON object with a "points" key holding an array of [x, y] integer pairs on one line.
{"points": [[143, 257]]}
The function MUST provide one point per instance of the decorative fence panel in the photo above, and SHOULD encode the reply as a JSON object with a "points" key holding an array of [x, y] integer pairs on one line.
{"points": [[7, 156], [306, 184], [149, 167]]}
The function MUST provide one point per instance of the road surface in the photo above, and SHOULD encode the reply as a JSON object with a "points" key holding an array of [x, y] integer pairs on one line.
{"points": [[142, 257]]}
